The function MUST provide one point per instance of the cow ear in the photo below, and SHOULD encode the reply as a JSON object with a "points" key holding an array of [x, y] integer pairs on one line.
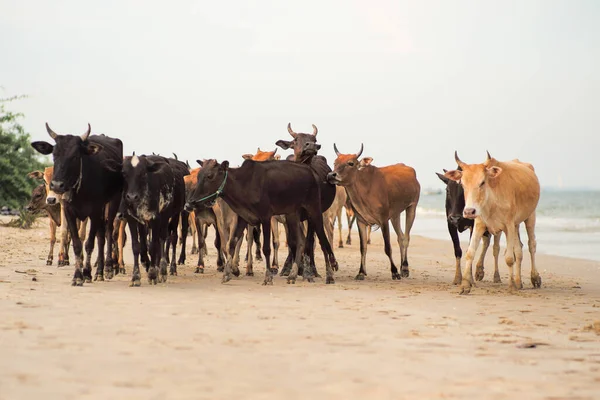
{"points": [[366, 160], [43, 147], [278, 157], [247, 156], [153, 166], [284, 144], [199, 162], [443, 177], [36, 175], [493, 172], [225, 165], [92, 148], [455, 175]]}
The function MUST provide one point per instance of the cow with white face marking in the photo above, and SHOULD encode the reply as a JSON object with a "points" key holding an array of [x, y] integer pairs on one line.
{"points": [[500, 195], [153, 195]]}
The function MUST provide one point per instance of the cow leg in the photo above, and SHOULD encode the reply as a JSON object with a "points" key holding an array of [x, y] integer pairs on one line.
{"points": [[172, 235], [457, 251], [256, 235], [467, 274], [192, 223], [275, 234], [496, 252], [339, 225], [136, 276], [218, 247], [306, 264], [201, 246], [362, 237], [185, 221], [385, 232], [100, 259], [107, 229], [266, 231], [479, 270], [121, 244], [536, 279], [52, 242], [249, 244], [71, 222], [89, 245], [316, 219], [509, 254], [63, 255], [518, 258], [204, 231], [296, 241], [143, 230], [292, 244], [238, 233], [155, 252], [235, 263], [369, 234], [351, 218]]}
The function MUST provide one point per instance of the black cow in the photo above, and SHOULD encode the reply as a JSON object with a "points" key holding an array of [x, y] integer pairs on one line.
{"points": [[455, 204], [87, 172], [258, 190], [305, 148], [153, 195]]}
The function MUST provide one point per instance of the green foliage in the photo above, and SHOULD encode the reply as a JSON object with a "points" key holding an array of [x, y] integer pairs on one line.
{"points": [[17, 159]]}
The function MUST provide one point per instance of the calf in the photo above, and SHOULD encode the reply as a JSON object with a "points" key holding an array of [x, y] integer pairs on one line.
{"points": [[37, 203], [258, 190], [455, 204], [379, 195], [499, 196], [87, 173], [154, 195]]}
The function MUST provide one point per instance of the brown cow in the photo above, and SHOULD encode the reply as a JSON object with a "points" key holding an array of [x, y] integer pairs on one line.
{"points": [[379, 195], [500, 196], [54, 199]]}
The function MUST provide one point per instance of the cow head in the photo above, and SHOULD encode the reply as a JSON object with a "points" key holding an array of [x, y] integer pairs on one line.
{"points": [[212, 178], [261, 155], [38, 198], [455, 202], [137, 172], [304, 144], [345, 167], [476, 181], [67, 153]]}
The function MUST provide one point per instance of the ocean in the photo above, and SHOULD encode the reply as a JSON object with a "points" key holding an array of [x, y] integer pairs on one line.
{"points": [[568, 223]]}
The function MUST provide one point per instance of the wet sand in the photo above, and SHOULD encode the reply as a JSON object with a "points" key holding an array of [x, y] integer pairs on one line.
{"points": [[194, 337]]}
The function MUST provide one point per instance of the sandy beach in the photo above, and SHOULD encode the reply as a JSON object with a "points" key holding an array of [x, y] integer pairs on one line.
{"points": [[194, 337]]}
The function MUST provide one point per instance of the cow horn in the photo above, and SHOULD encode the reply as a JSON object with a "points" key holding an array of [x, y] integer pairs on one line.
{"points": [[488, 156], [87, 133], [361, 150], [52, 134], [337, 152], [294, 134], [458, 162], [315, 130], [258, 150], [275, 150]]}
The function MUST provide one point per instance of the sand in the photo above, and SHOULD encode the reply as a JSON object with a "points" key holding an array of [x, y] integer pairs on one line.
{"points": [[195, 338]]}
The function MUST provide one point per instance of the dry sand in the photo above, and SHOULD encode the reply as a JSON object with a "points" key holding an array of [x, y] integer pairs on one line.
{"points": [[194, 337]]}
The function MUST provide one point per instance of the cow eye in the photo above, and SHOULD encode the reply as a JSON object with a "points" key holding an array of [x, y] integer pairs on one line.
{"points": [[481, 184], [351, 163]]}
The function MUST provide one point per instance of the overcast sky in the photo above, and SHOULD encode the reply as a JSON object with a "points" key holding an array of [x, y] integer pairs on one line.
{"points": [[411, 80]]}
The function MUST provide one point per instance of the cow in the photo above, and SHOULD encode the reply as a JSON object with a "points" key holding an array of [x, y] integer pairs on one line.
{"points": [[87, 173], [305, 149], [258, 190], [499, 196], [379, 195], [37, 203], [53, 199], [154, 195], [455, 204]]}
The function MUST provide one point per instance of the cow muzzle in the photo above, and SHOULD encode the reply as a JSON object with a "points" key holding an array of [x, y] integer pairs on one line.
{"points": [[51, 200], [58, 186], [333, 178], [454, 219], [470, 213]]}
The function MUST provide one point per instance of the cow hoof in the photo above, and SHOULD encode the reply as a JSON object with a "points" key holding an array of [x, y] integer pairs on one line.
{"points": [[99, 278], [479, 273], [308, 279], [405, 273], [249, 273], [199, 270], [77, 282], [65, 262], [49, 262], [274, 271], [135, 283], [109, 273], [348, 242], [221, 269], [330, 280], [396, 276], [369, 241], [291, 280], [236, 272], [268, 281], [457, 280], [226, 278], [258, 257], [180, 262], [536, 281], [360, 277], [122, 270], [466, 287]]}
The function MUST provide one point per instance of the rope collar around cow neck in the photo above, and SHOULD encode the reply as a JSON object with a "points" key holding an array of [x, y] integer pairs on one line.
{"points": [[217, 193]]}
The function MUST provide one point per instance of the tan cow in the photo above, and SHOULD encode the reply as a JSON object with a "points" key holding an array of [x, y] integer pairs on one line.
{"points": [[379, 195], [53, 198], [500, 196]]}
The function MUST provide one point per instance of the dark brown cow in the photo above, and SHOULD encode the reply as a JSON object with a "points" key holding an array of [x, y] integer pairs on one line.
{"points": [[379, 195]]}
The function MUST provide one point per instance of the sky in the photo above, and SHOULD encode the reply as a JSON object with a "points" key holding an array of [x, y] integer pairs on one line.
{"points": [[412, 80]]}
